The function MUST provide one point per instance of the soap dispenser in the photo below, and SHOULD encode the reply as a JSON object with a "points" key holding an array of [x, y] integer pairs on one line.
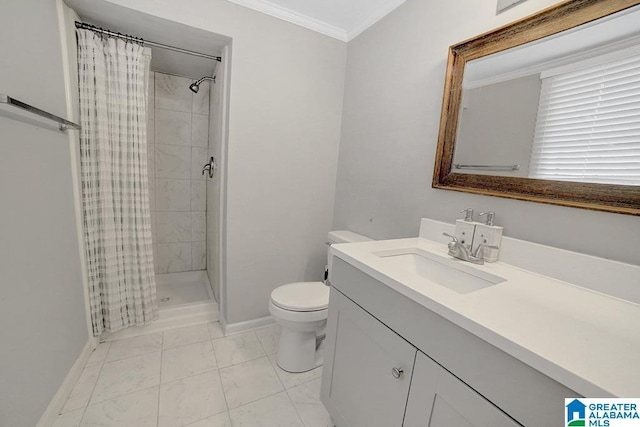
{"points": [[488, 234], [465, 228]]}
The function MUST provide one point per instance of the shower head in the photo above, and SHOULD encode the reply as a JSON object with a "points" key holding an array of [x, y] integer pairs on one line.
{"points": [[195, 87]]}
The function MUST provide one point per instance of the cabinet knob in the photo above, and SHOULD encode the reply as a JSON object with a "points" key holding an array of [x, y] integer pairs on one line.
{"points": [[397, 372]]}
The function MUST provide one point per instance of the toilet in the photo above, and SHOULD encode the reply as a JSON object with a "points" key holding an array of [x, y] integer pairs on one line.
{"points": [[301, 310]]}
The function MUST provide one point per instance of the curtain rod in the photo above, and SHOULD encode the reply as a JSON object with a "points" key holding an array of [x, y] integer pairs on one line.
{"points": [[146, 42]]}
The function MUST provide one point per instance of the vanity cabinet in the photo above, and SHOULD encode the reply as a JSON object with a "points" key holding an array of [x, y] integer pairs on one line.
{"points": [[376, 378], [450, 377]]}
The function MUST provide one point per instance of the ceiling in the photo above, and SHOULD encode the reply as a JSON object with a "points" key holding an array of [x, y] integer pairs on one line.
{"points": [[340, 19]]}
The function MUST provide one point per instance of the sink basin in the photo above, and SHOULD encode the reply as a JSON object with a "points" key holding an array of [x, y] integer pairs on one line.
{"points": [[452, 274]]}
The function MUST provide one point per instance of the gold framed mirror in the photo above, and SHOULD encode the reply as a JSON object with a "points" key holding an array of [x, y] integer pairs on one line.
{"points": [[496, 178]]}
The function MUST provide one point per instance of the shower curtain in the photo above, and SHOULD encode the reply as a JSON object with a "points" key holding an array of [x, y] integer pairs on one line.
{"points": [[113, 79]]}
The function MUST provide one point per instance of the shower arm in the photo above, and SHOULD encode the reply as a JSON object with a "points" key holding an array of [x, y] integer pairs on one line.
{"points": [[197, 83], [195, 87]]}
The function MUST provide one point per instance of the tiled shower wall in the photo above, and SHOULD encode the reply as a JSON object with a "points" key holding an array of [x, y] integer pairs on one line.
{"points": [[178, 139]]}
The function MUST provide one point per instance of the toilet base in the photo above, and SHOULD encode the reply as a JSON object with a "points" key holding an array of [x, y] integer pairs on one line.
{"points": [[300, 351]]}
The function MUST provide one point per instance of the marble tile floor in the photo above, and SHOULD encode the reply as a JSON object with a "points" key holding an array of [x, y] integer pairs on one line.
{"points": [[195, 377]]}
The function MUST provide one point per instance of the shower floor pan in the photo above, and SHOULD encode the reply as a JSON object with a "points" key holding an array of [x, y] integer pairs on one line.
{"points": [[190, 302]]}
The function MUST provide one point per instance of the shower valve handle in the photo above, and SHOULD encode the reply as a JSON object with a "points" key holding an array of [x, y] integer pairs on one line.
{"points": [[211, 167]]}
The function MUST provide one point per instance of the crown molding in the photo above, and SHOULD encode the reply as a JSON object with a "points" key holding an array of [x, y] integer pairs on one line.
{"points": [[294, 18], [305, 21]]}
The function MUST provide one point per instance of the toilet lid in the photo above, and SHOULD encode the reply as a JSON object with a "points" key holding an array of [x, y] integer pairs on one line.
{"points": [[301, 296]]}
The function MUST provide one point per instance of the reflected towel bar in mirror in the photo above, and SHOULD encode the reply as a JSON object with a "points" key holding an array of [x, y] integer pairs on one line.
{"points": [[63, 124], [488, 167]]}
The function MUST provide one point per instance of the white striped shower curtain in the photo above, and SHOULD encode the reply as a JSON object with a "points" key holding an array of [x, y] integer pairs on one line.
{"points": [[113, 76]]}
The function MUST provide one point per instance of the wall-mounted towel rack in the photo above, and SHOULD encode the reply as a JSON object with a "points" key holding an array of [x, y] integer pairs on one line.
{"points": [[488, 167], [63, 124]]}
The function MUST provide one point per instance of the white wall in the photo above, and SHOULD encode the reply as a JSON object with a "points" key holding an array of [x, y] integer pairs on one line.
{"points": [[284, 123], [42, 310], [393, 97]]}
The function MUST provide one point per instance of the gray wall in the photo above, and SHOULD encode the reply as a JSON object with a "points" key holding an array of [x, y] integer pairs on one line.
{"points": [[42, 306], [394, 83]]}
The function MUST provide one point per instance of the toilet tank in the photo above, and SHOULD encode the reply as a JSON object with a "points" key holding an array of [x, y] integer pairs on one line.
{"points": [[345, 236], [341, 236]]}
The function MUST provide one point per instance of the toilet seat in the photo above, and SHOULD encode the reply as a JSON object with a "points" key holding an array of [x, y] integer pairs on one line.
{"points": [[301, 296], [300, 318]]}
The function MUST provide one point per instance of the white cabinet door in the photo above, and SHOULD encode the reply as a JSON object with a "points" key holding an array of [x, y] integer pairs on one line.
{"points": [[439, 399], [360, 387]]}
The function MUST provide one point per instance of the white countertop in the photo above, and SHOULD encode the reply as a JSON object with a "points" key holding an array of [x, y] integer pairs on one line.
{"points": [[585, 340]]}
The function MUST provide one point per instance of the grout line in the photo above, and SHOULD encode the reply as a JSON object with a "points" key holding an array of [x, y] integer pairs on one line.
{"points": [[122, 395], [191, 375], [247, 361], [261, 343], [186, 345], [208, 416], [224, 396], [127, 393], [135, 355], [160, 380], [271, 363], [191, 343], [244, 361], [106, 356], [295, 408], [215, 357], [155, 108], [93, 389], [131, 357], [213, 350], [160, 349], [255, 400]]}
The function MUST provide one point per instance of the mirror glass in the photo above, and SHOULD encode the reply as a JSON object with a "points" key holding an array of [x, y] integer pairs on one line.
{"points": [[564, 108]]}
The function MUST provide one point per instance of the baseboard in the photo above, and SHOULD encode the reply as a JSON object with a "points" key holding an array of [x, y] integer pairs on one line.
{"points": [[50, 414], [236, 328], [170, 318]]}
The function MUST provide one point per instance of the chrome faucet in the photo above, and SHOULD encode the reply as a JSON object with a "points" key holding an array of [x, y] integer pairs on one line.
{"points": [[464, 252]]}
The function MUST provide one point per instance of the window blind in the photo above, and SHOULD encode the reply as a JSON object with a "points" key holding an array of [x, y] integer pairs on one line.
{"points": [[588, 125]]}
